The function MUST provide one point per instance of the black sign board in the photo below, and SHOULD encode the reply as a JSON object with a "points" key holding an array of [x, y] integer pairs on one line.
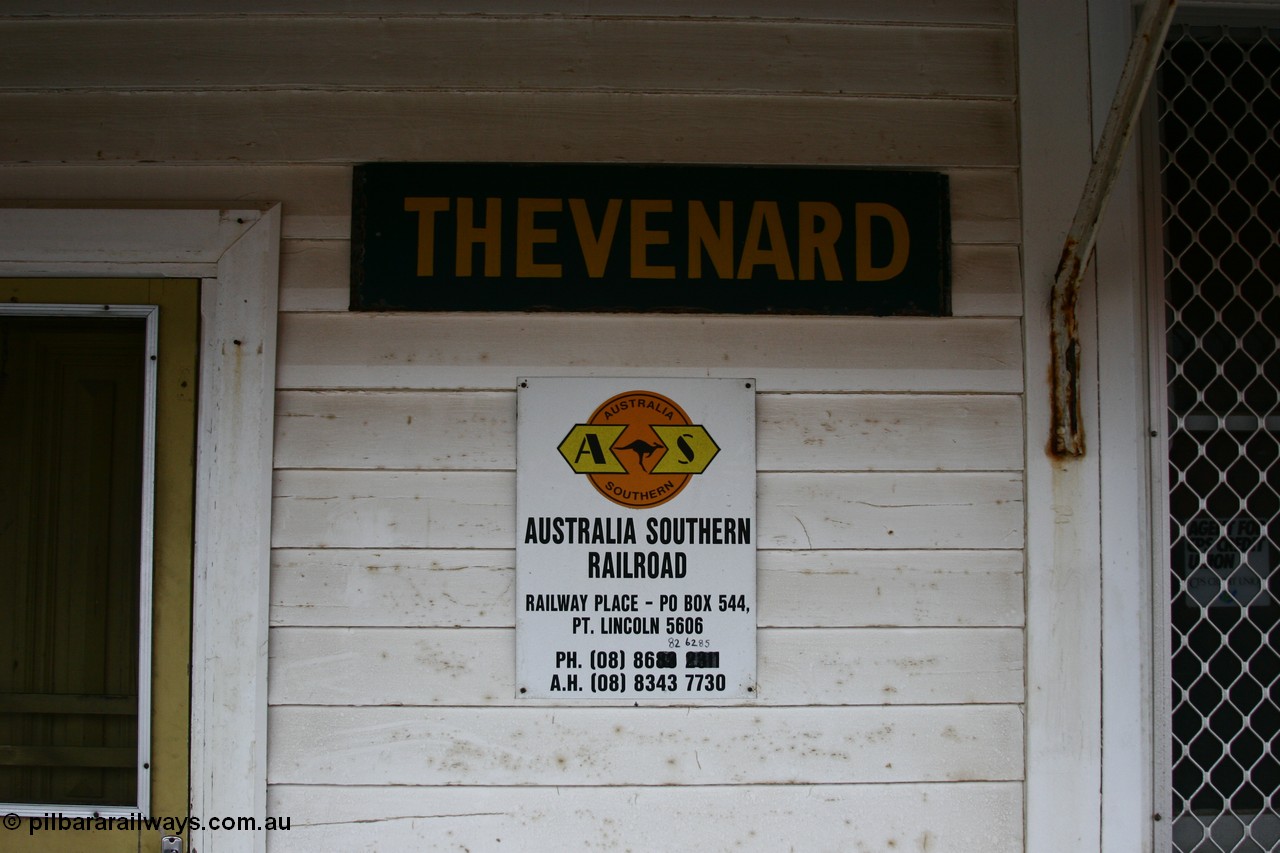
{"points": [[604, 237]]}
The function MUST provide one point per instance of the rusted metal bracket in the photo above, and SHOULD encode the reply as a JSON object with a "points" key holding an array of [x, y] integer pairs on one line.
{"points": [[1067, 431]]}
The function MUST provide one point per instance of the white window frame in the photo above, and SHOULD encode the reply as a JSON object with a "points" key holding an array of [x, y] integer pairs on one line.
{"points": [[236, 256]]}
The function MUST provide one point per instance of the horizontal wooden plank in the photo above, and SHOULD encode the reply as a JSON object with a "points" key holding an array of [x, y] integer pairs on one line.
{"points": [[475, 588], [404, 430], [428, 509], [918, 666], [948, 11], [649, 746], [376, 509], [888, 432], [447, 666], [393, 510], [505, 53], [310, 126], [953, 510], [864, 588], [315, 275], [196, 237], [941, 818], [794, 432], [476, 351], [316, 199], [393, 588], [986, 206], [986, 280]]}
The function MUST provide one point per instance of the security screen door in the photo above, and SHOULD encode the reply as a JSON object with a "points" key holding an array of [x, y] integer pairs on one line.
{"points": [[1218, 118]]}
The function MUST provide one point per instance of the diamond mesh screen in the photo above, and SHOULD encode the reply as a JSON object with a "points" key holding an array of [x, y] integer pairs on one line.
{"points": [[1219, 125]]}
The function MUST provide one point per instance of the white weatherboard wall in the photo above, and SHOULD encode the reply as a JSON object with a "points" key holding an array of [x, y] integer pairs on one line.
{"points": [[890, 450]]}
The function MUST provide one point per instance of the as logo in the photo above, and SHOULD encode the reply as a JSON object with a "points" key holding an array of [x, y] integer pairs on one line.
{"points": [[639, 449]]}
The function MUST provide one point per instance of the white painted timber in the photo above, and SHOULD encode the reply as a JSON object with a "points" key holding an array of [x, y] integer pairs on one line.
{"points": [[236, 253], [909, 510], [947, 11], [230, 602], [379, 351], [355, 126], [477, 53], [406, 430], [917, 666], [1064, 699], [865, 588], [815, 666], [452, 430], [316, 200], [356, 509], [429, 509], [938, 818], [871, 432], [1134, 785], [643, 746], [473, 588], [986, 280], [192, 239], [972, 221], [315, 275]]}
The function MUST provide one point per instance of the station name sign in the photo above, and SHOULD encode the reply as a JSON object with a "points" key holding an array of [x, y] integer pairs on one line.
{"points": [[616, 238]]}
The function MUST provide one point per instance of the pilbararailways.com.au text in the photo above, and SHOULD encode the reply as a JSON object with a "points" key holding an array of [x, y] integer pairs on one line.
{"points": [[58, 822]]}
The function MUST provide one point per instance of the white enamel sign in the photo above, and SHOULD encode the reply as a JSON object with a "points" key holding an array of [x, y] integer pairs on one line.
{"points": [[636, 539]]}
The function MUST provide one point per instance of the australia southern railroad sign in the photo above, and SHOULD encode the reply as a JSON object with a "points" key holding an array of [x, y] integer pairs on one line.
{"points": [[636, 539]]}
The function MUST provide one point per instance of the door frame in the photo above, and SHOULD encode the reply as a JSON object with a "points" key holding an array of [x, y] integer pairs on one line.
{"points": [[236, 256], [1088, 580], [1093, 756]]}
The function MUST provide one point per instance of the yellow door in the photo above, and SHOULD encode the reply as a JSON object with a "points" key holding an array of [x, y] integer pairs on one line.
{"points": [[73, 531]]}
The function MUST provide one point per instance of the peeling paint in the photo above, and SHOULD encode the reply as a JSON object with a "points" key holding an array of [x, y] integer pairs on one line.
{"points": [[1066, 438]]}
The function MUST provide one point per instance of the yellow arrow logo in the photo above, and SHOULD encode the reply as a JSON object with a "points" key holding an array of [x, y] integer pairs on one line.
{"points": [[588, 448], [690, 449]]}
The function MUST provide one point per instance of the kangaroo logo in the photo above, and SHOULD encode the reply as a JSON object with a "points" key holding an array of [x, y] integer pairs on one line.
{"points": [[667, 447]]}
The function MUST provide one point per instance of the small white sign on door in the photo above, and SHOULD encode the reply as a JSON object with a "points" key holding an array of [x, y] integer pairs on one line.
{"points": [[1227, 563]]}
